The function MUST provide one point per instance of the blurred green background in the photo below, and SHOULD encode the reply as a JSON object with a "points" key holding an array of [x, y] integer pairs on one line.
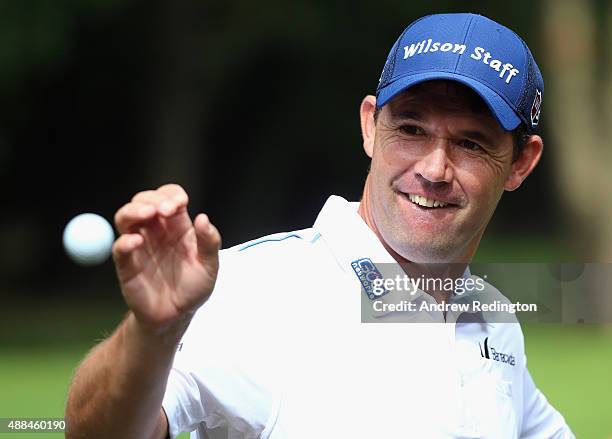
{"points": [[253, 108]]}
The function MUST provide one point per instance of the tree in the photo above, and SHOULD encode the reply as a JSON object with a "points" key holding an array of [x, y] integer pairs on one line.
{"points": [[579, 93]]}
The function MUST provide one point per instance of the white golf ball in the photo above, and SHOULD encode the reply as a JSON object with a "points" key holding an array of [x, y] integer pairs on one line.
{"points": [[88, 239]]}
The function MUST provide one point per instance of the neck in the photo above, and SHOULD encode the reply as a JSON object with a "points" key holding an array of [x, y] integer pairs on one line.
{"points": [[432, 270]]}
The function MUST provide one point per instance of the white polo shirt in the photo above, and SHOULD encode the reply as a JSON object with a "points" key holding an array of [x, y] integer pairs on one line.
{"points": [[279, 351]]}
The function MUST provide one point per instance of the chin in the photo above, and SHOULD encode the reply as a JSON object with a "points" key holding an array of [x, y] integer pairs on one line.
{"points": [[426, 251], [422, 256]]}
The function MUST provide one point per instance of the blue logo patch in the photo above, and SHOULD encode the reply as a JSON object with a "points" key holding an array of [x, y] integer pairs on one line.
{"points": [[367, 273]]}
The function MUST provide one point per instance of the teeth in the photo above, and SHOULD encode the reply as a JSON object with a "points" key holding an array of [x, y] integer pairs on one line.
{"points": [[426, 202]]}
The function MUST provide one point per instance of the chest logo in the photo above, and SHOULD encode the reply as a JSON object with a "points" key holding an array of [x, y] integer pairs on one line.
{"points": [[490, 353], [367, 273]]}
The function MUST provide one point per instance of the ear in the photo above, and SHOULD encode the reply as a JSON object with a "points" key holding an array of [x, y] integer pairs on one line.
{"points": [[525, 162], [368, 125]]}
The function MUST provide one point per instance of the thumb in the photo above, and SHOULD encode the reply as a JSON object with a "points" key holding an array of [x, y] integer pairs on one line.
{"points": [[209, 242]]}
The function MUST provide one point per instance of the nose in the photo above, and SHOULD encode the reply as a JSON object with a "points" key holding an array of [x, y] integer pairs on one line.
{"points": [[435, 165]]}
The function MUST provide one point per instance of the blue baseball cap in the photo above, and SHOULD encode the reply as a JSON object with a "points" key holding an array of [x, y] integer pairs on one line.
{"points": [[473, 50]]}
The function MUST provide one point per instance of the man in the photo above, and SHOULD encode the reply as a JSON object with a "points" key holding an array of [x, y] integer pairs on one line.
{"points": [[265, 340]]}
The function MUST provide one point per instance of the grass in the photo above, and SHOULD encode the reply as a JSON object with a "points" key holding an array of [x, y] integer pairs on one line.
{"points": [[34, 383], [571, 365]]}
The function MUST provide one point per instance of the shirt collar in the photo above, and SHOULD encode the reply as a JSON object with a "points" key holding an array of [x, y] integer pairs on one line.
{"points": [[347, 235], [350, 239]]}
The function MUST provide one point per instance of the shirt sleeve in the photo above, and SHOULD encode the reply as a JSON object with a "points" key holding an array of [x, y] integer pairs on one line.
{"points": [[225, 403], [182, 403], [540, 419]]}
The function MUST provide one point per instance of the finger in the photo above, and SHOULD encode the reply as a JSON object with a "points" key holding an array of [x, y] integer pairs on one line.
{"points": [[124, 250], [151, 197], [166, 204], [209, 241], [133, 215], [177, 199], [175, 192]]}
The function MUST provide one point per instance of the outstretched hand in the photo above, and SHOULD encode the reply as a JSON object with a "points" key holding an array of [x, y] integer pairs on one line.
{"points": [[166, 264]]}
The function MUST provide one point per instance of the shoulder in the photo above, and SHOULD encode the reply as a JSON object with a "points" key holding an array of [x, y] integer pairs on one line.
{"points": [[254, 283], [277, 248], [277, 242], [263, 266]]}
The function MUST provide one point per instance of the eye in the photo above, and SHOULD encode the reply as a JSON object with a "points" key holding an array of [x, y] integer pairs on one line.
{"points": [[412, 130], [468, 144]]}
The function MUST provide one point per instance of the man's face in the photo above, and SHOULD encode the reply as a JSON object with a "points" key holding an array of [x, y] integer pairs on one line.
{"points": [[440, 163]]}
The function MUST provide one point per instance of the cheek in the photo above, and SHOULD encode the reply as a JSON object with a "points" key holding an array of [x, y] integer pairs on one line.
{"points": [[488, 171], [392, 157], [499, 167], [483, 186], [389, 162], [488, 165]]}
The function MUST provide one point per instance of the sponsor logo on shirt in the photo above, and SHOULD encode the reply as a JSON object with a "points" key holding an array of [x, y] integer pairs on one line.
{"points": [[367, 273], [490, 353]]}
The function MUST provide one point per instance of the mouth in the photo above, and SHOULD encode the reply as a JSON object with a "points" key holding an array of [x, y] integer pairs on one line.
{"points": [[427, 203]]}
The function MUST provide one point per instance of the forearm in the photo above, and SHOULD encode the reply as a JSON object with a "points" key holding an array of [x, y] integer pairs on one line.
{"points": [[118, 389]]}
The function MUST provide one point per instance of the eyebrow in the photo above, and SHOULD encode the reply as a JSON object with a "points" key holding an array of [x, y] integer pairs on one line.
{"points": [[477, 136], [406, 114]]}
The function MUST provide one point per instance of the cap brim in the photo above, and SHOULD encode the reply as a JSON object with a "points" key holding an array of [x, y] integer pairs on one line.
{"points": [[502, 111]]}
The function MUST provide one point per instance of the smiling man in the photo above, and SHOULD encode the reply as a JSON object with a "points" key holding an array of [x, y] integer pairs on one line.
{"points": [[264, 339]]}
